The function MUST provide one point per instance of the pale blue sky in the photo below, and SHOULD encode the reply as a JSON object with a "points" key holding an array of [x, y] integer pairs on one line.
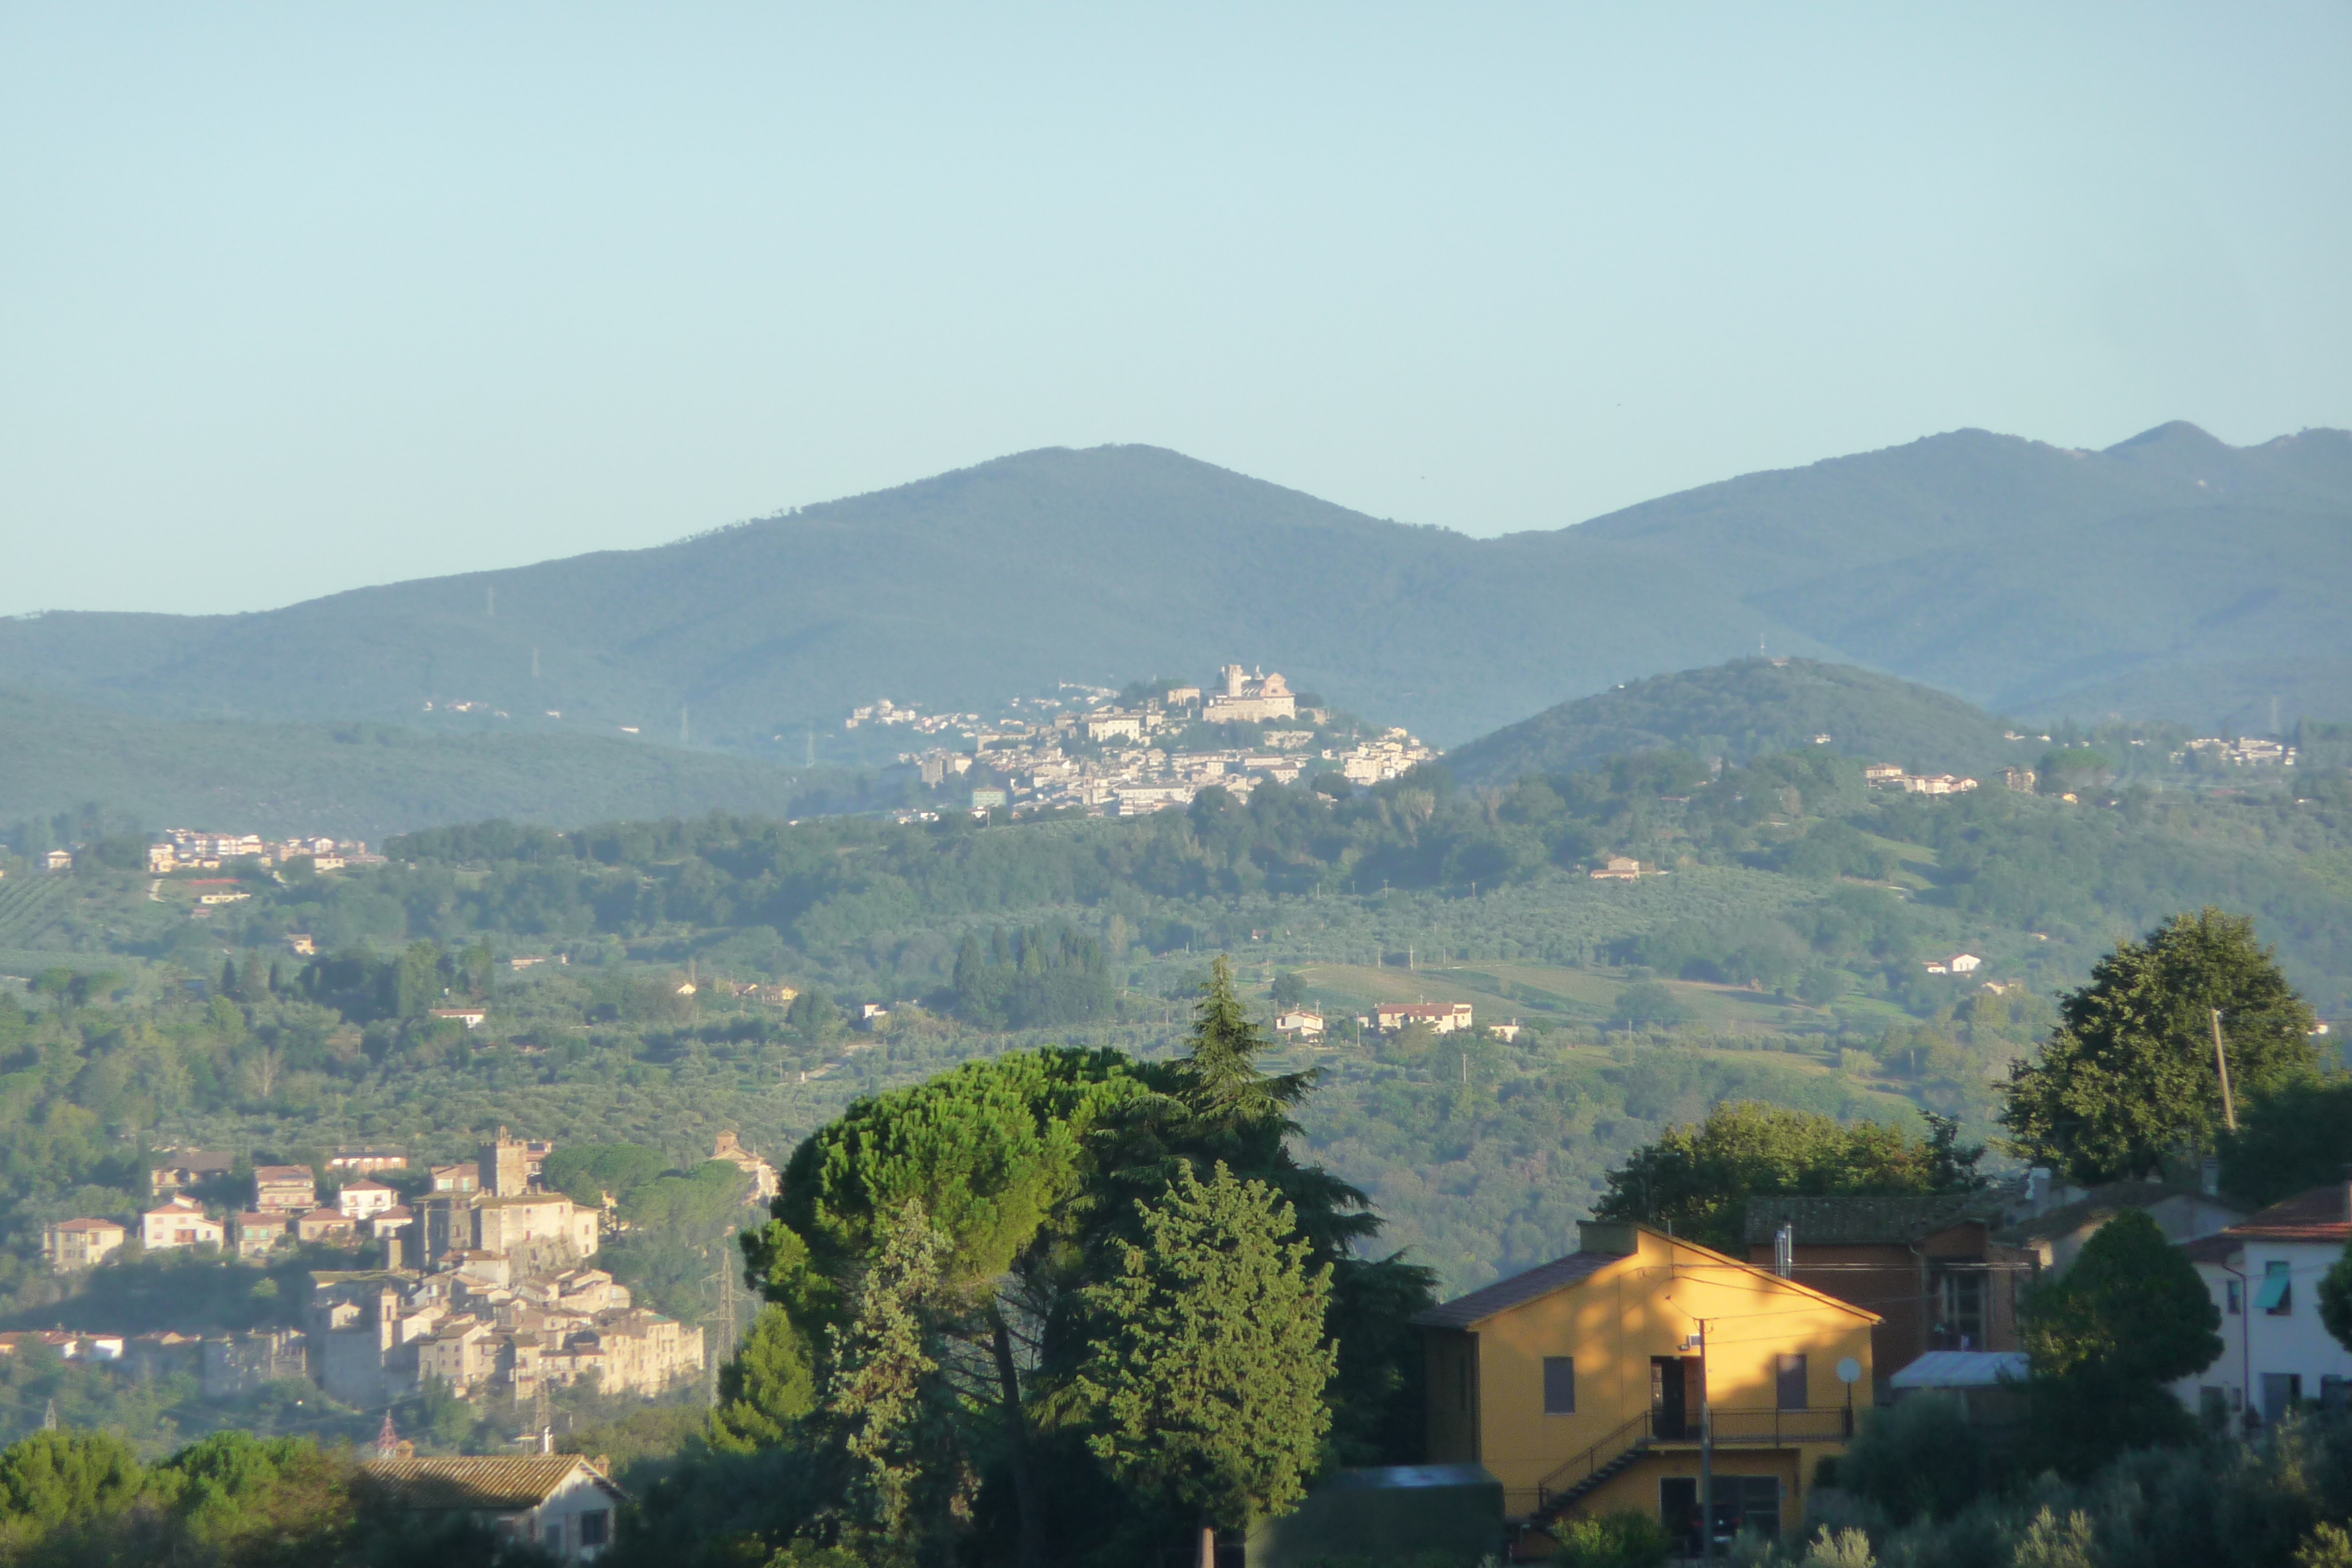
{"points": [[295, 298]]}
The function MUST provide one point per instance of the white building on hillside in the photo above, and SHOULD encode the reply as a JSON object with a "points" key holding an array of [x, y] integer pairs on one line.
{"points": [[181, 1222], [2264, 1273], [1443, 1017]]}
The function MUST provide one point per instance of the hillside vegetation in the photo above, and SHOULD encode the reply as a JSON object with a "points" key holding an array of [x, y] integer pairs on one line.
{"points": [[364, 780], [1748, 709], [2170, 569]]}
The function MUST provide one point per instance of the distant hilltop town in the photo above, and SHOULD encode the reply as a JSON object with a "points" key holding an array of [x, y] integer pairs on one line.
{"points": [[192, 849], [482, 1278], [1098, 754], [201, 849]]}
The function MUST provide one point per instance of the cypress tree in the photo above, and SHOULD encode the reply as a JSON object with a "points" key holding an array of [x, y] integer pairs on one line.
{"points": [[1211, 1363]]}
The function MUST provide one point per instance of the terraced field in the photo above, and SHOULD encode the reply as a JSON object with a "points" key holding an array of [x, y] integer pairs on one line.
{"points": [[28, 907]]}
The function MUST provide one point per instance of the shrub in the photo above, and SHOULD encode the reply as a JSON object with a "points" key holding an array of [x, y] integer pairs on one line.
{"points": [[1919, 1458], [1626, 1539]]}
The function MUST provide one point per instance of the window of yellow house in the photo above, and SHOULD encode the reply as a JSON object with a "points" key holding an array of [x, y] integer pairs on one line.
{"points": [[1559, 1386], [1791, 1376]]}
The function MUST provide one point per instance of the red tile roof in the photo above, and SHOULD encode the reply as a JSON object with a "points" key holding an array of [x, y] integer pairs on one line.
{"points": [[492, 1483], [2320, 1214], [1504, 1294]]}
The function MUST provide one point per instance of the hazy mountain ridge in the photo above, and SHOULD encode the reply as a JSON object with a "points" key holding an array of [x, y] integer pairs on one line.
{"points": [[2018, 574]]}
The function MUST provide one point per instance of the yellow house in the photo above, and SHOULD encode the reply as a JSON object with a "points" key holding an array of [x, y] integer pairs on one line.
{"points": [[1603, 1381]]}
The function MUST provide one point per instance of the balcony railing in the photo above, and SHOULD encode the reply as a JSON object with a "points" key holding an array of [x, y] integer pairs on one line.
{"points": [[1773, 1429], [1734, 1428]]}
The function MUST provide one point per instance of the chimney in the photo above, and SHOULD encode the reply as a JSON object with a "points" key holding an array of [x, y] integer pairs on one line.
{"points": [[1616, 1237], [2037, 1190], [2209, 1175], [1784, 1251], [392, 1252]]}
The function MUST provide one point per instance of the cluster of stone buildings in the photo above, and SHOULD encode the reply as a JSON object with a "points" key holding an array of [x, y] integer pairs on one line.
{"points": [[1102, 760], [486, 1281], [1888, 775], [886, 713], [191, 848], [1307, 1025], [500, 1297], [2242, 754]]}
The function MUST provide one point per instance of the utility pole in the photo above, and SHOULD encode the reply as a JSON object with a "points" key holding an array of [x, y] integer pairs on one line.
{"points": [[1705, 1456], [2222, 1065]]}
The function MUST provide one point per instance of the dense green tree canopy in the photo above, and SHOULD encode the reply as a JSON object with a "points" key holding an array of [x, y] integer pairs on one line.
{"points": [[2336, 1299], [882, 1396], [54, 1476], [1209, 1360], [590, 1173], [1698, 1179], [2297, 1137], [990, 1150], [767, 1385], [2105, 1337], [2129, 1078]]}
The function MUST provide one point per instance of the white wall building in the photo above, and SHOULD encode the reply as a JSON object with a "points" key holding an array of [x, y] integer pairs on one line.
{"points": [[2263, 1274], [179, 1223], [365, 1198]]}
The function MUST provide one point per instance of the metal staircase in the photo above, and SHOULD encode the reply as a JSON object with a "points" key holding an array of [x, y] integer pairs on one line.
{"points": [[1596, 1466], [1734, 1429]]}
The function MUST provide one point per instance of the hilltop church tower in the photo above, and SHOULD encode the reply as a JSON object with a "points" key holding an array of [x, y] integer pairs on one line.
{"points": [[504, 1174]]}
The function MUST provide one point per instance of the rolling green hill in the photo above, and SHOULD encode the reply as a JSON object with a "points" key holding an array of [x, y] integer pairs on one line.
{"points": [[2168, 571], [1750, 708], [362, 781]]}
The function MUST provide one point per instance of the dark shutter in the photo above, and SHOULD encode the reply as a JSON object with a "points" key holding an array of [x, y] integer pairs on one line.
{"points": [[1559, 1386], [1793, 1382]]}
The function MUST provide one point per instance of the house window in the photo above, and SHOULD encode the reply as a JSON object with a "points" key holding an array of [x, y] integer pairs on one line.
{"points": [[596, 1526], [1789, 1374], [2281, 1392], [2233, 1297], [1964, 1313], [2278, 1295], [1559, 1386]]}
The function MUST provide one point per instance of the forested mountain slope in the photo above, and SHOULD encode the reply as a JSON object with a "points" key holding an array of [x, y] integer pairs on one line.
{"points": [[1748, 709], [2012, 572]]}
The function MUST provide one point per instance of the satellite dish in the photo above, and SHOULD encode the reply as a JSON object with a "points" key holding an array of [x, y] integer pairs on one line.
{"points": [[1849, 1371]]}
